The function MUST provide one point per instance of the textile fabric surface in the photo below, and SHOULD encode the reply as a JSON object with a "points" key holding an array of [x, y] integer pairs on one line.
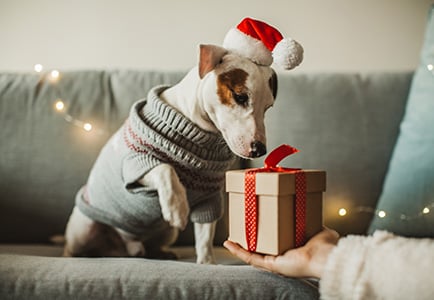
{"points": [[128, 278], [408, 193]]}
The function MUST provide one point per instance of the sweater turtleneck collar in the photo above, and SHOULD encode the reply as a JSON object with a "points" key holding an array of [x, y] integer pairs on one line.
{"points": [[162, 127]]}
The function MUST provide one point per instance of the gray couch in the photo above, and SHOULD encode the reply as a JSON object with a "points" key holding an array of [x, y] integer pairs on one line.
{"points": [[346, 124]]}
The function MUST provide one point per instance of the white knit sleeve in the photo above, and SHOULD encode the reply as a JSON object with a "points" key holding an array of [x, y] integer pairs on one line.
{"points": [[382, 266]]}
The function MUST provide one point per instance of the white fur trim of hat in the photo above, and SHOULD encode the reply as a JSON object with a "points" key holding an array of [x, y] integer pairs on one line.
{"points": [[263, 44]]}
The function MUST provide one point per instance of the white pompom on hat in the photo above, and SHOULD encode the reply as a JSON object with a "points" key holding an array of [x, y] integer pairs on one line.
{"points": [[263, 44]]}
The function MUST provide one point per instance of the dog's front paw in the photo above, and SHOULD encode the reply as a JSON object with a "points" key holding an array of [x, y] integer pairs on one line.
{"points": [[171, 193], [173, 200], [176, 211], [204, 236], [206, 259]]}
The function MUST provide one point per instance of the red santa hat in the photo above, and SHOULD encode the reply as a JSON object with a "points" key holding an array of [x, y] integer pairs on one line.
{"points": [[263, 44]]}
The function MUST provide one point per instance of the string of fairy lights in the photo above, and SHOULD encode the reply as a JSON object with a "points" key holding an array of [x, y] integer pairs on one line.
{"points": [[342, 212], [60, 106]]}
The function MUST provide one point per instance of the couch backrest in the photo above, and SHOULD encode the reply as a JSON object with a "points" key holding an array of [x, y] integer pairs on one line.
{"points": [[342, 123], [44, 156]]}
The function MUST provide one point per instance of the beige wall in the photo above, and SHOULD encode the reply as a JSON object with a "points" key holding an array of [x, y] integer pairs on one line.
{"points": [[338, 35]]}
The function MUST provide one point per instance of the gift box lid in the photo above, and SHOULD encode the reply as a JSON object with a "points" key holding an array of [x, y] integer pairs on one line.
{"points": [[276, 183]]}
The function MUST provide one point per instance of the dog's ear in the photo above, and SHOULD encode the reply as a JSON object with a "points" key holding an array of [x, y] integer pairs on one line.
{"points": [[210, 56]]}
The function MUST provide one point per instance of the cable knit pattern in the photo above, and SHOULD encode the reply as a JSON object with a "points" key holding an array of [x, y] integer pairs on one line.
{"points": [[382, 266], [199, 157], [155, 133]]}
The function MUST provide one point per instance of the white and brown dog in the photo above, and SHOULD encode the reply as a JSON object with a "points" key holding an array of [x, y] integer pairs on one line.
{"points": [[225, 96]]}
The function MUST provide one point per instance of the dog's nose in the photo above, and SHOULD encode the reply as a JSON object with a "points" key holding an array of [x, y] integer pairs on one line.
{"points": [[258, 149]]}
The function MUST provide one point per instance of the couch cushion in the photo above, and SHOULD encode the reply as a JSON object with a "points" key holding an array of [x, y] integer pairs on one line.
{"points": [[32, 277], [183, 253], [407, 199]]}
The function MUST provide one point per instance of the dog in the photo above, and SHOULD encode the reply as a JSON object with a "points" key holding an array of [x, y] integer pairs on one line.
{"points": [[219, 109]]}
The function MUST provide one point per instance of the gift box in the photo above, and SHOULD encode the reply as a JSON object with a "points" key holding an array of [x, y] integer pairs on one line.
{"points": [[273, 209]]}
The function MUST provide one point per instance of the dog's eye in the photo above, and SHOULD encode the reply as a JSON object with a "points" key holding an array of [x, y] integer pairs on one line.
{"points": [[241, 99]]}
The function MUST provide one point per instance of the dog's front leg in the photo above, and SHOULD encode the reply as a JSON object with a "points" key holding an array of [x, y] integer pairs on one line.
{"points": [[171, 193], [204, 237]]}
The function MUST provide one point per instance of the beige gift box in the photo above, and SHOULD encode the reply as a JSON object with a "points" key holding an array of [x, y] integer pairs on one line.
{"points": [[276, 215]]}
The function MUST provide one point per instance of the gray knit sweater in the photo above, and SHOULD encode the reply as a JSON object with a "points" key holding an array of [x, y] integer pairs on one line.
{"points": [[155, 133]]}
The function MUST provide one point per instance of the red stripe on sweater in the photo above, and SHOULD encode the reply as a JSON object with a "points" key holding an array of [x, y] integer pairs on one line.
{"points": [[196, 180]]}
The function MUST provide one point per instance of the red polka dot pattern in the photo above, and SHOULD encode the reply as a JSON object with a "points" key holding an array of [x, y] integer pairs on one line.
{"points": [[300, 208], [250, 209]]}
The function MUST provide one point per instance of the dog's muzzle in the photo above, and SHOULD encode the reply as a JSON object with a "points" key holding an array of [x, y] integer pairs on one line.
{"points": [[258, 149]]}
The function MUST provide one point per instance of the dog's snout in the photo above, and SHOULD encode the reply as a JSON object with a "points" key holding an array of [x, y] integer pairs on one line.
{"points": [[258, 149]]}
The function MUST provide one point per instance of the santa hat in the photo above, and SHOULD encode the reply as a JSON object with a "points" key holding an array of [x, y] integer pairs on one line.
{"points": [[263, 44]]}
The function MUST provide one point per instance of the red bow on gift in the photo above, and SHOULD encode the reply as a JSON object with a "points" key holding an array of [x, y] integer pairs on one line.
{"points": [[251, 200]]}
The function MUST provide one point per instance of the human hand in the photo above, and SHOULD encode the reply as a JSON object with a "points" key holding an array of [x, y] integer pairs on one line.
{"points": [[306, 261]]}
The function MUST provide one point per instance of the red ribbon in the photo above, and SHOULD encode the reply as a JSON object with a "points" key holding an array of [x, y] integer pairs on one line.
{"points": [[251, 199]]}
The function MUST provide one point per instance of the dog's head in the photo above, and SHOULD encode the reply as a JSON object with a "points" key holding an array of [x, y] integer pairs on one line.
{"points": [[235, 94]]}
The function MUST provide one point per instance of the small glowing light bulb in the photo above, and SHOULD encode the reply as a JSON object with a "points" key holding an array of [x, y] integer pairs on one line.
{"points": [[87, 126], [425, 210], [55, 74], [430, 67], [342, 212], [59, 105], [38, 68], [381, 213]]}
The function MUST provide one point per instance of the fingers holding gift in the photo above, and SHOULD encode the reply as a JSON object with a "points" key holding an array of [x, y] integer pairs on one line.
{"points": [[306, 261], [265, 262]]}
